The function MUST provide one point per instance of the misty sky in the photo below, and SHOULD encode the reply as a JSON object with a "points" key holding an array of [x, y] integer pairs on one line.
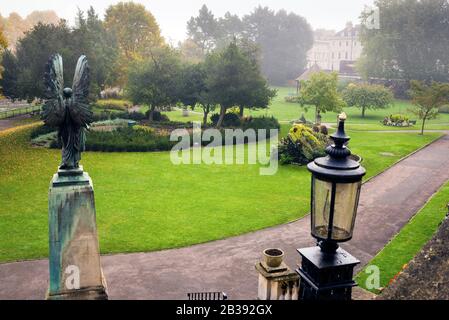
{"points": [[172, 15]]}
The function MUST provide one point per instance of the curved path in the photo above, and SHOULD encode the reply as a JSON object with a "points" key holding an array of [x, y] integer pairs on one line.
{"points": [[387, 202]]}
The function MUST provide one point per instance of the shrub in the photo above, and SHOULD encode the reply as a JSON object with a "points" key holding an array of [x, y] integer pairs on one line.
{"points": [[136, 116], [320, 129], [157, 116], [111, 93], [342, 85], [396, 120], [302, 145], [41, 130], [324, 130], [127, 139], [112, 104], [444, 109], [230, 119], [260, 123], [45, 140], [292, 99]]}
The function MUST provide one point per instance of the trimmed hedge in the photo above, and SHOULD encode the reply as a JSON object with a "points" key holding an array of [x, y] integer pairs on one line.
{"points": [[136, 116], [112, 104], [41, 130], [145, 138], [124, 139]]}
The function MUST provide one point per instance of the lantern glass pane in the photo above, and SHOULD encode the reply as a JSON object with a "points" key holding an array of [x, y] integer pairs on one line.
{"points": [[321, 199], [346, 202]]}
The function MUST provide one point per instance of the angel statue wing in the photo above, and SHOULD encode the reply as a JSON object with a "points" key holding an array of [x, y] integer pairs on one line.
{"points": [[53, 111], [79, 109]]}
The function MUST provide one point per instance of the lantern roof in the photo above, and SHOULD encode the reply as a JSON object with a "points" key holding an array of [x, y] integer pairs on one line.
{"points": [[337, 165]]}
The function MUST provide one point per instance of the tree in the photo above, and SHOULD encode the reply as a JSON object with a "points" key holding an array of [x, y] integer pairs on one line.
{"points": [[190, 52], [24, 77], [230, 28], [45, 16], [32, 54], [99, 46], [8, 80], [193, 89], [3, 45], [427, 99], [321, 91], [136, 32], [284, 39], [203, 30], [3, 42], [14, 27], [411, 43], [155, 81], [366, 96], [233, 80]]}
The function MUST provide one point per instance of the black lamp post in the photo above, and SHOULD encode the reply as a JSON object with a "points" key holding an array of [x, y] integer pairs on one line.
{"points": [[326, 270]]}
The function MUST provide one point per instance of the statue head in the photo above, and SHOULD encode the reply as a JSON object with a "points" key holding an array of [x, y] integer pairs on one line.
{"points": [[67, 93]]}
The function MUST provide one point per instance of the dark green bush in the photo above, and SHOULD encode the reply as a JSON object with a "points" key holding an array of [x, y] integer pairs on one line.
{"points": [[230, 119], [127, 139], [136, 116], [320, 129], [261, 123], [41, 130], [140, 140], [157, 116], [444, 109]]}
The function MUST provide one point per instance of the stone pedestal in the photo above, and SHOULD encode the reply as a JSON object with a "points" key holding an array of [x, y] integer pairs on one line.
{"points": [[326, 276], [280, 283], [74, 261]]}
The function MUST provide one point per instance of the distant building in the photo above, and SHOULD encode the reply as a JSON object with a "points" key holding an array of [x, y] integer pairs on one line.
{"points": [[336, 51], [314, 68]]}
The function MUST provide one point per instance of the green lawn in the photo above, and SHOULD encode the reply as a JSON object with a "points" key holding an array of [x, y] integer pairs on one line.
{"points": [[176, 115], [409, 241], [144, 202], [285, 111]]}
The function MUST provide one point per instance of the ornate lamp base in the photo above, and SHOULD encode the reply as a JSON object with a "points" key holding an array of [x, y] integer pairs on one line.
{"points": [[326, 276]]}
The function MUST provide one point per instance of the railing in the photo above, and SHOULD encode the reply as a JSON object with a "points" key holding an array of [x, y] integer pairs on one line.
{"points": [[20, 111], [207, 296]]}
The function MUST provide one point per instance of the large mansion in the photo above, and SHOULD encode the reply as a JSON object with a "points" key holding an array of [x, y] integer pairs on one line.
{"points": [[336, 51]]}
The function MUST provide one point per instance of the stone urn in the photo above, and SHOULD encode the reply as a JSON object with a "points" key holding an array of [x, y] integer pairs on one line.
{"points": [[185, 112], [273, 257], [355, 157]]}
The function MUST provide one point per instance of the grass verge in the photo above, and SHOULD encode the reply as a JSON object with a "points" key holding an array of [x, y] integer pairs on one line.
{"points": [[409, 241]]}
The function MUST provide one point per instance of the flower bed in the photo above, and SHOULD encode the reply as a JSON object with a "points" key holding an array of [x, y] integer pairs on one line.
{"points": [[398, 120]]}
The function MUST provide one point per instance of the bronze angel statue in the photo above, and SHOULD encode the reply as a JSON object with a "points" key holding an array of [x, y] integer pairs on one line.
{"points": [[67, 108]]}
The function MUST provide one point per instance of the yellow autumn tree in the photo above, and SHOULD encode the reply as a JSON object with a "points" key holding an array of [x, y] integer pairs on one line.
{"points": [[137, 34]]}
